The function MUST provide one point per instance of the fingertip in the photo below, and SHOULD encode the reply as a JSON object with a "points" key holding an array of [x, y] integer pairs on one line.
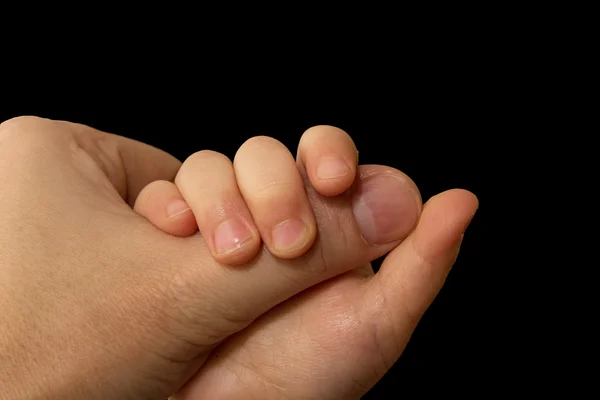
{"points": [[180, 219], [161, 203], [460, 206], [413, 273], [292, 238], [234, 242], [239, 257], [330, 159], [333, 175], [176, 207], [443, 222]]}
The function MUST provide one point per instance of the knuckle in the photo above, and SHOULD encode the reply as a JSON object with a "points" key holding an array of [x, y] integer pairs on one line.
{"points": [[274, 202], [323, 130], [275, 191], [29, 142], [205, 171], [21, 127], [206, 157], [259, 142], [19, 121], [32, 132], [311, 133]]}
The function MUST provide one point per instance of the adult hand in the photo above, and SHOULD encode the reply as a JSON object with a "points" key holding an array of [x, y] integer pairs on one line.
{"points": [[98, 303], [336, 339]]}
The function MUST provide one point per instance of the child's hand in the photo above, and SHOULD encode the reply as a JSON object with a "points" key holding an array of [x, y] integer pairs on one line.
{"points": [[260, 195]]}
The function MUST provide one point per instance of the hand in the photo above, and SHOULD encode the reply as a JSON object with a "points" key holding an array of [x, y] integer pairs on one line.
{"points": [[97, 303], [337, 339]]}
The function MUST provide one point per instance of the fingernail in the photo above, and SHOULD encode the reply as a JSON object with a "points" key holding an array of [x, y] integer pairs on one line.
{"points": [[385, 208], [230, 235], [289, 235], [331, 168], [176, 207]]}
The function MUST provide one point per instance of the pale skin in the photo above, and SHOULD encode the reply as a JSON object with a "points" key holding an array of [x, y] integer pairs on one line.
{"points": [[102, 304]]}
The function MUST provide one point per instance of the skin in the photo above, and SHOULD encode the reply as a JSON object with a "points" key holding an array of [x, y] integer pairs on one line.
{"points": [[336, 330], [102, 304]]}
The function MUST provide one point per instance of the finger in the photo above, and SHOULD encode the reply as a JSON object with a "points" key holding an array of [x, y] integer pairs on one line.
{"points": [[161, 203], [208, 184], [413, 273], [381, 209], [365, 270], [274, 192], [329, 156]]}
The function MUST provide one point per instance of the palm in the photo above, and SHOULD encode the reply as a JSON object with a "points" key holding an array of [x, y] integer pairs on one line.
{"points": [[336, 339], [326, 333]]}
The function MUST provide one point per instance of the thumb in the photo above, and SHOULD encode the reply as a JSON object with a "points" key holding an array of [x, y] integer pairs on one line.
{"points": [[412, 274]]}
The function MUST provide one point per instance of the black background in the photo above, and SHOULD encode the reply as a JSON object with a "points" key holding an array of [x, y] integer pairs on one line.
{"points": [[441, 131]]}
